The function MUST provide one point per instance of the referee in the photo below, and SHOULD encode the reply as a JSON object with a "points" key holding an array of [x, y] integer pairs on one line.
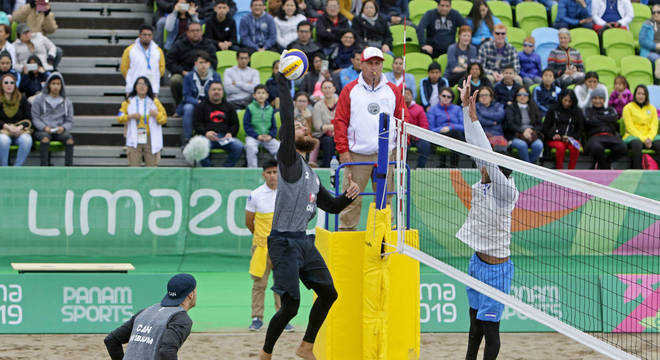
{"points": [[157, 332], [292, 252], [487, 230]]}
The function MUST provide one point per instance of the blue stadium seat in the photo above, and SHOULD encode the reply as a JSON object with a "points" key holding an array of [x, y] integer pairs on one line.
{"points": [[654, 95], [546, 40]]}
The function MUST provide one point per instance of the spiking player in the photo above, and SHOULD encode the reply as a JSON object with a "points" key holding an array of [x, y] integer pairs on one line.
{"points": [[487, 230], [292, 252]]}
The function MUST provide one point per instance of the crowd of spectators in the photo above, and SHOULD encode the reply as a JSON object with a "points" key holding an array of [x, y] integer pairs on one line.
{"points": [[524, 107]]}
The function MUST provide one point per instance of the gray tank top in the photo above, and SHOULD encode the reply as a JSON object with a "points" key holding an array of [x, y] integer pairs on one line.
{"points": [[148, 329], [295, 203]]}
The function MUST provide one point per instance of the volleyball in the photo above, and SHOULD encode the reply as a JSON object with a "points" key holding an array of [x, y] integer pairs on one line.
{"points": [[294, 64]]}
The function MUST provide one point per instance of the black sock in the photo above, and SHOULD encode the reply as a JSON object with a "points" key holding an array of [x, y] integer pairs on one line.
{"points": [[68, 155], [326, 296], [476, 334], [43, 153], [492, 334], [277, 324]]}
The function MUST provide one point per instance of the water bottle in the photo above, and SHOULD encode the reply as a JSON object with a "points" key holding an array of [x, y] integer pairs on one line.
{"points": [[334, 164]]}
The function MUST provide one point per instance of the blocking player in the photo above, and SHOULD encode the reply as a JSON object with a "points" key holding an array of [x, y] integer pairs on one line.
{"points": [[294, 256], [487, 230]]}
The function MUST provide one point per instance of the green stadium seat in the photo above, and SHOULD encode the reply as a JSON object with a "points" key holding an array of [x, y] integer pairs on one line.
{"points": [[585, 41], [226, 59], [641, 13], [531, 89], [502, 10], [605, 67], [637, 70], [263, 60], [618, 43], [241, 129], [417, 9], [387, 63], [531, 15], [462, 6], [553, 12], [442, 60], [516, 37], [412, 42], [417, 64], [13, 30]]}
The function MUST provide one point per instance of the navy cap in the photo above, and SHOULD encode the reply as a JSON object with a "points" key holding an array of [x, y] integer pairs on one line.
{"points": [[178, 288]]}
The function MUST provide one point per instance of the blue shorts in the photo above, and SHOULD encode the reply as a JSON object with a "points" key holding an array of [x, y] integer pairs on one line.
{"points": [[498, 276], [295, 258]]}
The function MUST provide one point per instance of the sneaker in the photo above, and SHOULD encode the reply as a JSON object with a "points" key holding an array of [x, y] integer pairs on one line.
{"points": [[256, 324], [289, 328]]}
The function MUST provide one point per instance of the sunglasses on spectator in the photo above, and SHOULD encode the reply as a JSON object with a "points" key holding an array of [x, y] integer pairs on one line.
{"points": [[523, 94], [655, 12], [446, 96], [8, 83], [500, 33], [528, 44]]}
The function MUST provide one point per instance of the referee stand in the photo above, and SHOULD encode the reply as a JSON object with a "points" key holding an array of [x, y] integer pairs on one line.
{"points": [[377, 313]]}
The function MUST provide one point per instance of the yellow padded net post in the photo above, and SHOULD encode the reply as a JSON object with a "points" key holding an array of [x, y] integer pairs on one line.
{"points": [[376, 316]]}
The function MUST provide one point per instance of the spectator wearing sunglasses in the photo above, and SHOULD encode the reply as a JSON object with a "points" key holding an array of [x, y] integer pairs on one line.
{"points": [[522, 127], [573, 14], [650, 31], [497, 52], [530, 63]]}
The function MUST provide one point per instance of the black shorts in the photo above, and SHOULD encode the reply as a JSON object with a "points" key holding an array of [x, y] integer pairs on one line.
{"points": [[295, 257]]}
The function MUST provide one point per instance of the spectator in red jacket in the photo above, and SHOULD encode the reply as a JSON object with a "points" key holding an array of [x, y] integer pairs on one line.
{"points": [[417, 117]]}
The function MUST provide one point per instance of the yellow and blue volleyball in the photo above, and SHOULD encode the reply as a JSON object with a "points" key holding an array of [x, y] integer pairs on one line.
{"points": [[294, 64]]}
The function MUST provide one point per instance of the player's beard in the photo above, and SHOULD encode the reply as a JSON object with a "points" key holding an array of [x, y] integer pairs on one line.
{"points": [[306, 143]]}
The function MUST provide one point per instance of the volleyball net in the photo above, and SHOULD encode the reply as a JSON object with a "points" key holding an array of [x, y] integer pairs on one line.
{"points": [[586, 254]]}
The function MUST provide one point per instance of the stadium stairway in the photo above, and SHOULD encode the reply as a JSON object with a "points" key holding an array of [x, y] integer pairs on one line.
{"points": [[93, 36]]}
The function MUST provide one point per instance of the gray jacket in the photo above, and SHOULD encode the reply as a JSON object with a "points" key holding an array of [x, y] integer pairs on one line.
{"points": [[45, 115]]}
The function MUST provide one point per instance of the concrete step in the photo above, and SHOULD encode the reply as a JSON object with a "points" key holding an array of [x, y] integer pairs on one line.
{"points": [[110, 35], [99, 41], [88, 77], [115, 136], [81, 62], [105, 90], [103, 8], [89, 50], [107, 106], [70, 20], [108, 156], [111, 121]]}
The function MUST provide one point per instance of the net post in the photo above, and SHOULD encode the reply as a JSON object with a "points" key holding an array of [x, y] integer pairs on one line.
{"points": [[381, 166]]}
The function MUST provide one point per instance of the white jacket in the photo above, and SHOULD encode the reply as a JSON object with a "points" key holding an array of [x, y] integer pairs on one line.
{"points": [[287, 30], [155, 129], [134, 61], [625, 10], [357, 115], [43, 47], [487, 228]]}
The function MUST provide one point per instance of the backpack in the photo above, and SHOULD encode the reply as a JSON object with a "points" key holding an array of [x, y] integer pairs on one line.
{"points": [[648, 163]]}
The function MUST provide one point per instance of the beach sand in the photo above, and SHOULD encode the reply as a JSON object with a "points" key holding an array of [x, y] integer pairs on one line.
{"points": [[230, 346]]}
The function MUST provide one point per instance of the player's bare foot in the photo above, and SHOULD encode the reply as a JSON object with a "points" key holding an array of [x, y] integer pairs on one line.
{"points": [[264, 356], [306, 351]]}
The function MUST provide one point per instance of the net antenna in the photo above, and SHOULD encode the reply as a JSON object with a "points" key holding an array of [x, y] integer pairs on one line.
{"points": [[401, 157], [587, 241]]}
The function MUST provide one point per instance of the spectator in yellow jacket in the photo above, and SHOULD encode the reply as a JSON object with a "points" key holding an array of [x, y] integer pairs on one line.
{"points": [[143, 58], [144, 115], [641, 121]]}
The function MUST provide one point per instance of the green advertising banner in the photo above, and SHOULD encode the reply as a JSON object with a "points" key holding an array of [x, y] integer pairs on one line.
{"points": [[74, 303], [165, 211], [444, 305]]}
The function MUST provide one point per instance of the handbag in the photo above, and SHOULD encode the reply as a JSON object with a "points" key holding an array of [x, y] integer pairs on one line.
{"points": [[27, 128], [648, 163]]}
